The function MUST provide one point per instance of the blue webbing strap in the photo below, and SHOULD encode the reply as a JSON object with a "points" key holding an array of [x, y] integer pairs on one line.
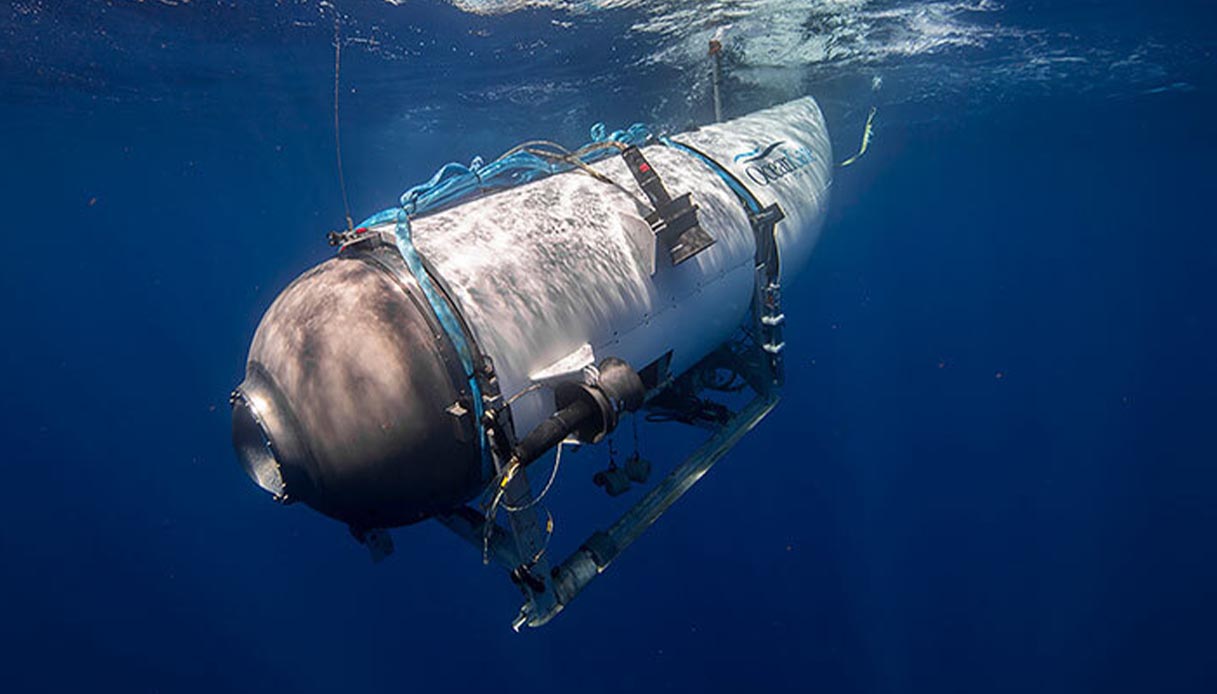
{"points": [[440, 307], [745, 195]]}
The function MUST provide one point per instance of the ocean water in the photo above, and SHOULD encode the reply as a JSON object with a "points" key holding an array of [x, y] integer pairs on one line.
{"points": [[992, 469]]}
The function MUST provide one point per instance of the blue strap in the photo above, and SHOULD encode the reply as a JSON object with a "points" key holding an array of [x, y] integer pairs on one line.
{"points": [[443, 312], [745, 195]]}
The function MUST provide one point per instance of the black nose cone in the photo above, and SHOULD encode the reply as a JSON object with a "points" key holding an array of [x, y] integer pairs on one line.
{"points": [[355, 401]]}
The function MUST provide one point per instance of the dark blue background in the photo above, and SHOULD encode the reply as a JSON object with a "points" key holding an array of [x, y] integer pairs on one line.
{"points": [[993, 469]]}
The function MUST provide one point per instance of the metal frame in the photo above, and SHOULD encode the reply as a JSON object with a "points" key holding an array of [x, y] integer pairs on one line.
{"points": [[555, 588]]}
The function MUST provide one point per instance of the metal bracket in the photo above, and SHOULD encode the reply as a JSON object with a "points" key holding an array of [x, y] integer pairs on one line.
{"points": [[769, 320], [378, 541], [518, 548], [767, 310], [496, 414], [673, 221]]}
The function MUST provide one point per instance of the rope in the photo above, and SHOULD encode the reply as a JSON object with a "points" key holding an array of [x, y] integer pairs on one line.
{"points": [[342, 184], [578, 163], [499, 485], [523, 163], [553, 474]]}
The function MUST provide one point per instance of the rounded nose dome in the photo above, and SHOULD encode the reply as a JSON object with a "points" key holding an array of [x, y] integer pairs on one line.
{"points": [[354, 400]]}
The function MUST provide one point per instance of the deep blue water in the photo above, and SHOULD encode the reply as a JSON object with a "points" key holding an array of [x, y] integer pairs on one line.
{"points": [[992, 470]]}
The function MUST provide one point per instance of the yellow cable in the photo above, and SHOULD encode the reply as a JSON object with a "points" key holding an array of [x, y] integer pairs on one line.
{"points": [[867, 132]]}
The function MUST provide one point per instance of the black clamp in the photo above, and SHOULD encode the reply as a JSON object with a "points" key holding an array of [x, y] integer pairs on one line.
{"points": [[346, 236], [674, 221], [496, 413], [764, 225], [526, 580]]}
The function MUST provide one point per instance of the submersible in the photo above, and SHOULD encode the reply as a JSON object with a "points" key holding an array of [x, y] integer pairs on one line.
{"points": [[448, 345]]}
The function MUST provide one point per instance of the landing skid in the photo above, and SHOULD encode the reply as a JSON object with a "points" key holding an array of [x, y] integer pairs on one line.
{"points": [[518, 547]]}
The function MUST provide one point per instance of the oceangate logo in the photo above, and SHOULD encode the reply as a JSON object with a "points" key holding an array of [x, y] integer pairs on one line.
{"points": [[768, 163], [758, 153]]}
